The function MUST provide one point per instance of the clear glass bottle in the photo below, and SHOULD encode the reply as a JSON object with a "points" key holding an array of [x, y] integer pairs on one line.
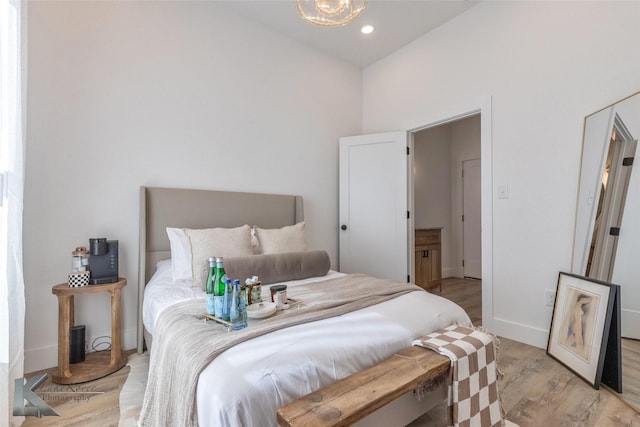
{"points": [[238, 312], [243, 306], [228, 294]]}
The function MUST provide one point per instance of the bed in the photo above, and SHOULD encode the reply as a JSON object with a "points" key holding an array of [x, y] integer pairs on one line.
{"points": [[246, 384]]}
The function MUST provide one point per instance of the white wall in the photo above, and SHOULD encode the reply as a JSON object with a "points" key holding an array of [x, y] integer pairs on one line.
{"points": [[545, 66], [178, 94]]}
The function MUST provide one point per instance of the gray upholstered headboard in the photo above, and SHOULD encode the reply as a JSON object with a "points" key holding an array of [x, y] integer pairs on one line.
{"points": [[185, 208]]}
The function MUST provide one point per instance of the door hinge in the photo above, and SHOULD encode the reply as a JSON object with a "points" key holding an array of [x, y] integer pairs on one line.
{"points": [[407, 150], [627, 161], [614, 231], [462, 217], [408, 279], [408, 214], [463, 263]]}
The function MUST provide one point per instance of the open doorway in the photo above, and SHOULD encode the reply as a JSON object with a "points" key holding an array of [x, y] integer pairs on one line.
{"points": [[446, 200]]}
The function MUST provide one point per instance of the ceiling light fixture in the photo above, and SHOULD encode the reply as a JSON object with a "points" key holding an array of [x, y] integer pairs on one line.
{"points": [[330, 13], [367, 29]]}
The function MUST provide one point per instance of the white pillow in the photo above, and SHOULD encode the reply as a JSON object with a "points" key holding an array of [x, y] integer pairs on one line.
{"points": [[216, 242], [280, 240], [180, 254]]}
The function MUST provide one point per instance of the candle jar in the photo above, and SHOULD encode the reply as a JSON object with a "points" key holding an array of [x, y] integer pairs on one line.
{"points": [[79, 259], [254, 291], [279, 289]]}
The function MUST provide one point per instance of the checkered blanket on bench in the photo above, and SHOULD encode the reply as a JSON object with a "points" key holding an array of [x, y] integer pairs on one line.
{"points": [[473, 389]]}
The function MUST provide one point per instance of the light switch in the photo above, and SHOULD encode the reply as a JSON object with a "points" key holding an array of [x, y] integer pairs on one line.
{"points": [[503, 191]]}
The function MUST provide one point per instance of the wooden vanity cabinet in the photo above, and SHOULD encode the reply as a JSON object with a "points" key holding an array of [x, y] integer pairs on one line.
{"points": [[428, 260]]}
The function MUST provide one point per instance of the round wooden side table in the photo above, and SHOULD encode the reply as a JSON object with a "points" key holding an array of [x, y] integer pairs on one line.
{"points": [[96, 364]]}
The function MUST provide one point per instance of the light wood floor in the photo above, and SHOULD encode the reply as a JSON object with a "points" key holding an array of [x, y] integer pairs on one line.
{"points": [[631, 371], [91, 404], [467, 294], [536, 390]]}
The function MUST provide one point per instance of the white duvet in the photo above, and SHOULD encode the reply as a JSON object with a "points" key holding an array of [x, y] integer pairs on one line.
{"points": [[246, 385]]}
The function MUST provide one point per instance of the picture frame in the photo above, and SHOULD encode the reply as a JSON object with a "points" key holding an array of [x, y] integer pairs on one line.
{"points": [[581, 324]]}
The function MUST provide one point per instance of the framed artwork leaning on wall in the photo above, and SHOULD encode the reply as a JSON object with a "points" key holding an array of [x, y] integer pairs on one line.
{"points": [[585, 329]]}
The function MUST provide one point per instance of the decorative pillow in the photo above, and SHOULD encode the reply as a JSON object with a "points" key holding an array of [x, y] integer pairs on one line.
{"points": [[216, 242], [180, 254], [274, 268], [281, 240]]}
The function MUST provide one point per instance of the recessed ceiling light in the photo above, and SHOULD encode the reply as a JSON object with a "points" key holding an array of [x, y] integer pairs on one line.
{"points": [[367, 29]]}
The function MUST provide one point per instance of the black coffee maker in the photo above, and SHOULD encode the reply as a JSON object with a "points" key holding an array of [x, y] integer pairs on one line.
{"points": [[103, 261]]}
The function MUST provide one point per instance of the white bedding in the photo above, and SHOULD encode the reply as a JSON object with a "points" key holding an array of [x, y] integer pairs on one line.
{"points": [[248, 383]]}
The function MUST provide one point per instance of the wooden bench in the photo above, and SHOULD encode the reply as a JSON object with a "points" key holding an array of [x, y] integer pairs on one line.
{"points": [[349, 400]]}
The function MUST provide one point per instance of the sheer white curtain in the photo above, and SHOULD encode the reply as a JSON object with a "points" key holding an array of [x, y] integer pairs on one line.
{"points": [[12, 305]]}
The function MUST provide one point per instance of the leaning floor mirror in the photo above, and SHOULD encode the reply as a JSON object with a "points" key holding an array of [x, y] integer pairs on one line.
{"points": [[607, 229]]}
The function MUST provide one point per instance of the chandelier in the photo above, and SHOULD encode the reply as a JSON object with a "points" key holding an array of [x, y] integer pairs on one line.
{"points": [[330, 12]]}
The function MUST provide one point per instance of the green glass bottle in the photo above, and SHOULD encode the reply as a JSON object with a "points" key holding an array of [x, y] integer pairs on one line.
{"points": [[210, 287], [221, 305]]}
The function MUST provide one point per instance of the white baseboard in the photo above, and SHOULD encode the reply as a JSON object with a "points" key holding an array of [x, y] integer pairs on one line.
{"points": [[46, 357], [630, 320], [518, 332], [450, 272], [36, 359]]}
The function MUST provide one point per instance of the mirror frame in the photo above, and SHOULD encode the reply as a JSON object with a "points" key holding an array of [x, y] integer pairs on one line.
{"points": [[589, 184]]}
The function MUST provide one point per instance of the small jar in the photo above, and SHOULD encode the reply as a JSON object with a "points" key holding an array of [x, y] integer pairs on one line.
{"points": [[281, 300], [79, 259], [279, 288]]}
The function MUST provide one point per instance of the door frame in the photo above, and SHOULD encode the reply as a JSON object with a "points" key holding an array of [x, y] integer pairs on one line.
{"points": [[482, 107]]}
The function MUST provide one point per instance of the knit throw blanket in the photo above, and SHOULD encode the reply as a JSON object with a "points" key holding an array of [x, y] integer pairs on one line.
{"points": [[473, 390], [183, 345]]}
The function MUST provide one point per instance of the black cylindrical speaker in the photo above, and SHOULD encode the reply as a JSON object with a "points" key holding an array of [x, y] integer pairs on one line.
{"points": [[76, 344]]}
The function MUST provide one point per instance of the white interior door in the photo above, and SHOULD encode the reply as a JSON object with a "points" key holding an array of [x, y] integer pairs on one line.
{"points": [[615, 183], [471, 227], [373, 205]]}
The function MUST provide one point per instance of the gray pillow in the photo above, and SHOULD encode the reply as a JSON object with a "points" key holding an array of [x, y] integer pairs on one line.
{"points": [[274, 268]]}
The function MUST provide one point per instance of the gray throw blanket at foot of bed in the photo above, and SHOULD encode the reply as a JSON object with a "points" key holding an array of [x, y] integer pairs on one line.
{"points": [[183, 345]]}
